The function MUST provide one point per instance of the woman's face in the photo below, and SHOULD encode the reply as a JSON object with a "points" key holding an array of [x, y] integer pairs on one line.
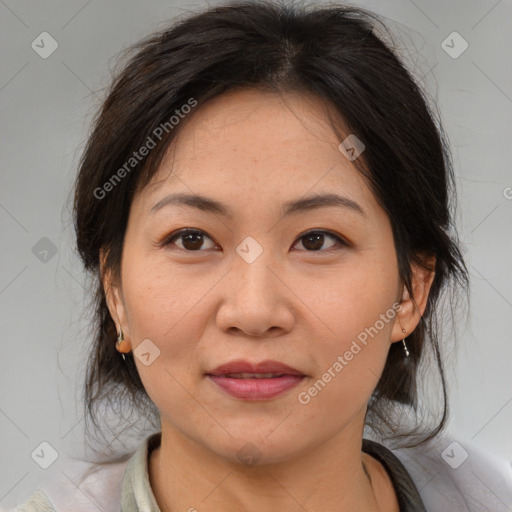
{"points": [[248, 285]]}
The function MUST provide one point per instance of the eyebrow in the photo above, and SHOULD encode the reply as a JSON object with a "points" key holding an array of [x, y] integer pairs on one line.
{"points": [[304, 204]]}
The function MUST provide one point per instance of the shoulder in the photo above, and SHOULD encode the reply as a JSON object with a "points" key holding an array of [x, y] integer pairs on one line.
{"points": [[36, 502], [457, 475], [90, 487], [81, 486]]}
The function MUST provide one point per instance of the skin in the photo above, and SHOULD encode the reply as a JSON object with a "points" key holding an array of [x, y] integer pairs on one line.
{"points": [[254, 151]]}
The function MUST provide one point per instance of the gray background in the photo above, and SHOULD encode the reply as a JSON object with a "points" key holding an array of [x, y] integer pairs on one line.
{"points": [[46, 106]]}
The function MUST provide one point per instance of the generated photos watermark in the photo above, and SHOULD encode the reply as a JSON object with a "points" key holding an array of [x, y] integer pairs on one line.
{"points": [[304, 397], [144, 150]]}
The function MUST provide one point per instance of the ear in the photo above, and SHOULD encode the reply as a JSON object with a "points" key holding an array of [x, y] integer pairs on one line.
{"points": [[412, 308], [114, 295]]}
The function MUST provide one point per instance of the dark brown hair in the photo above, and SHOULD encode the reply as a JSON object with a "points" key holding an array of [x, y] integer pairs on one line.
{"points": [[334, 53]]}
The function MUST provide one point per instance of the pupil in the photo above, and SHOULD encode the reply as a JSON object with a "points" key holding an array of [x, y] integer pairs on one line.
{"points": [[317, 241], [195, 239]]}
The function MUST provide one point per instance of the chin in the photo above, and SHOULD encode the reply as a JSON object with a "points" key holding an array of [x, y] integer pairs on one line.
{"points": [[253, 450]]}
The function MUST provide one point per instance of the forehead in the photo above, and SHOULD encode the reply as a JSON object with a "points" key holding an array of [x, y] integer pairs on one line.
{"points": [[251, 143]]}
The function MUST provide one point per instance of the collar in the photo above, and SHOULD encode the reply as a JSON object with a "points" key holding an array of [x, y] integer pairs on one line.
{"points": [[136, 492], [407, 494], [137, 495]]}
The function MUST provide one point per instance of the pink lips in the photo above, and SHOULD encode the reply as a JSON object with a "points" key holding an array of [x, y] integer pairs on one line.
{"points": [[285, 378]]}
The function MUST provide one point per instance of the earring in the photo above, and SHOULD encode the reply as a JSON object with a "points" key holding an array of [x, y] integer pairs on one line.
{"points": [[403, 343], [122, 345]]}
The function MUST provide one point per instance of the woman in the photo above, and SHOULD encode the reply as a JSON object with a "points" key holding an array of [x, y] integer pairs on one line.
{"points": [[264, 201]]}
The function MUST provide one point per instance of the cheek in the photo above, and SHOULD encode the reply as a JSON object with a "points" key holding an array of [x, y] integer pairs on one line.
{"points": [[160, 304], [351, 297], [168, 308], [164, 308], [356, 310]]}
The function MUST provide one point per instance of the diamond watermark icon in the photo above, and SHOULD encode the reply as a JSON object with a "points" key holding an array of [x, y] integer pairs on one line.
{"points": [[44, 250], [351, 147], [249, 454], [249, 249], [44, 455], [454, 455], [454, 45], [146, 352], [44, 45]]}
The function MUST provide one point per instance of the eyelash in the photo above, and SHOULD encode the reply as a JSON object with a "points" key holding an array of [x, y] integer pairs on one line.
{"points": [[178, 234]]}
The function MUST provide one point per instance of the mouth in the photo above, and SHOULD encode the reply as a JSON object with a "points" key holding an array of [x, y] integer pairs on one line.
{"points": [[262, 381]]}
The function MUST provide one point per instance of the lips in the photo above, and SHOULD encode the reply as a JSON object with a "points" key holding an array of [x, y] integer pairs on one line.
{"points": [[255, 381], [245, 370]]}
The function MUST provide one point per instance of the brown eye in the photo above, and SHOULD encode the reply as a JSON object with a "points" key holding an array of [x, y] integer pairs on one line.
{"points": [[314, 240], [192, 240]]}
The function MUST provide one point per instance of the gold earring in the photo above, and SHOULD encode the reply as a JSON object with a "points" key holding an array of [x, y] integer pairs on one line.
{"points": [[122, 345]]}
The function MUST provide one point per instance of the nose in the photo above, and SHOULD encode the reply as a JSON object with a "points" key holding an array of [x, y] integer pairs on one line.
{"points": [[256, 300]]}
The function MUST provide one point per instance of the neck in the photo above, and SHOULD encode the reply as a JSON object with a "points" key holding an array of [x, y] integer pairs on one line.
{"points": [[333, 477]]}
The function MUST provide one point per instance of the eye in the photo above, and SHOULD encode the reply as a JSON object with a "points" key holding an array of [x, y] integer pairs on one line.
{"points": [[192, 239], [314, 240]]}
